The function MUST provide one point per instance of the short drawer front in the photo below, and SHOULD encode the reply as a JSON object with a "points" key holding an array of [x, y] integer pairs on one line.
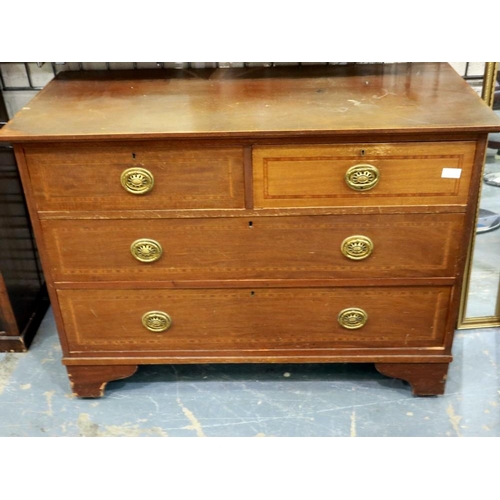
{"points": [[90, 177], [302, 247], [262, 319], [380, 174]]}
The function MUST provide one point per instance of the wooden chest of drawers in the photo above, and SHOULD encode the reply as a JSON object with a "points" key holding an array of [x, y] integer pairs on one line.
{"points": [[314, 214]]}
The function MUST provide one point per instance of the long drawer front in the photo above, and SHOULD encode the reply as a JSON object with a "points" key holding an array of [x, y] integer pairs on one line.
{"points": [[260, 319], [303, 247]]}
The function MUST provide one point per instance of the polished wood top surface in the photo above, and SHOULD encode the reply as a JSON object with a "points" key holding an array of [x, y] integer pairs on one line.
{"points": [[252, 102]]}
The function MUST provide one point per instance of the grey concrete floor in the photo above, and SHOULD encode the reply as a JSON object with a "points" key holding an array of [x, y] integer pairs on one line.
{"points": [[251, 400]]}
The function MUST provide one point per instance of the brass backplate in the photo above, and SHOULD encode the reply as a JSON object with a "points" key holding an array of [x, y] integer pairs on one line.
{"points": [[146, 250], [137, 180], [352, 318], [357, 247], [362, 177], [157, 321]]}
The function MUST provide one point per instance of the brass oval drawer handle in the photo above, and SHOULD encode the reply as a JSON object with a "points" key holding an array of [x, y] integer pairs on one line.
{"points": [[137, 180], [362, 177], [146, 250], [352, 318], [357, 247], [157, 321]]}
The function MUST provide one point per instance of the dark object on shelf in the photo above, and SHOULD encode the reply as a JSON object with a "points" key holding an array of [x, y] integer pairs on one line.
{"points": [[23, 295], [487, 221]]}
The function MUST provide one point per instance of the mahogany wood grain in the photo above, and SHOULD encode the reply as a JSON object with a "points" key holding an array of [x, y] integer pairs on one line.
{"points": [[250, 206], [426, 379], [410, 174], [466, 238], [252, 283], [224, 248], [243, 319], [90, 381], [23, 300], [248, 176], [252, 103], [87, 177], [40, 240], [339, 355], [252, 213]]}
